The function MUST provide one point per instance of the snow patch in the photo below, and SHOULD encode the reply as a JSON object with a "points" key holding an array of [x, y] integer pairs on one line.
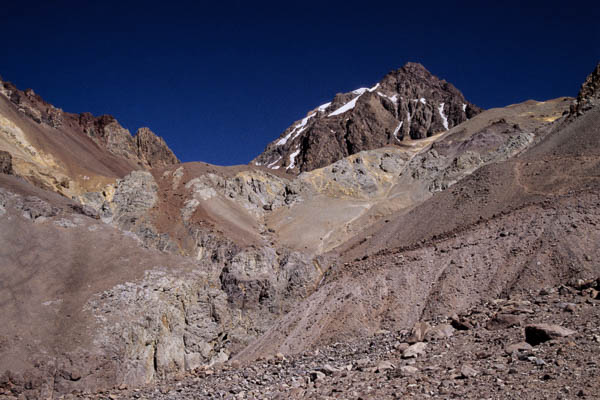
{"points": [[464, 107], [274, 162], [323, 107], [298, 129], [293, 159], [352, 103], [363, 90], [444, 117], [346, 107], [398, 130], [422, 100], [393, 99]]}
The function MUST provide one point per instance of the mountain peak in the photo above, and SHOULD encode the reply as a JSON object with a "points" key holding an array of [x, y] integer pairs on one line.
{"points": [[409, 102]]}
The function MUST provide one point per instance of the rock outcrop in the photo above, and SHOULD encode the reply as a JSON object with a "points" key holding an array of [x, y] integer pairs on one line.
{"points": [[145, 148], [589, 94], [409, 103], [153, 149]]}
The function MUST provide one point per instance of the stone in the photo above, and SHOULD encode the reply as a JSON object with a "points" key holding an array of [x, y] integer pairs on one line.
{"points": [[401, 346], [418, 332], [466, 371], [539, 333], [328, 369], [518, 347], [439, 332], [316, 375], [415, 350], [460, 324], [408, 370], [384, 366], [503, 321]]}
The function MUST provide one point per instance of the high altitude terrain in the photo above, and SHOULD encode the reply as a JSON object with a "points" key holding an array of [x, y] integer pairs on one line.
{"points": [[387, 208]]}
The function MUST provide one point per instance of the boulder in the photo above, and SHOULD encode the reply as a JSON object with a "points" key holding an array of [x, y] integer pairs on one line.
{"points": [[417, 349], [540, 333], [439, 332]]}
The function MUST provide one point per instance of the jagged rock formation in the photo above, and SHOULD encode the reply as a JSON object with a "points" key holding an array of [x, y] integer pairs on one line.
{"points": [[72, 153], [589, 94], [409, 103], [145, 148]]}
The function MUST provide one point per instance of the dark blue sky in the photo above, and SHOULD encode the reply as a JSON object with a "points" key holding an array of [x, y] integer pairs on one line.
{"points": [[220, 79]]}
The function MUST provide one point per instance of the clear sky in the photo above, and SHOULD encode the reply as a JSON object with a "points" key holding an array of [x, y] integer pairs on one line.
{"points": [[220, 79]]}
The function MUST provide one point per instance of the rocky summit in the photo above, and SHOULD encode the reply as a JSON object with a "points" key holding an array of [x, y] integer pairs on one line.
{"points": [[396, 242], [407, 104]]}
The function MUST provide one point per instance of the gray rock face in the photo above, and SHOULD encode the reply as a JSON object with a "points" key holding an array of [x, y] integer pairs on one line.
{"points": [[172, 322], [407, 103]]}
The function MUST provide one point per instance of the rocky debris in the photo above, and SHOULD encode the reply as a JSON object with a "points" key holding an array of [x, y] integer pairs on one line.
{"points": [[540, 333], [364, 175], [126, 205], [33, 208], [408, 103], [589, 94], [466, 365], [5, 163], [85, 210], [258, 192]]}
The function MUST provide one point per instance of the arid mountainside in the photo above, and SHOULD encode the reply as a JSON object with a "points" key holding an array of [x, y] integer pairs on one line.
{"points": [[518, 224], [407, 103], [71, 153], [148, 269]]}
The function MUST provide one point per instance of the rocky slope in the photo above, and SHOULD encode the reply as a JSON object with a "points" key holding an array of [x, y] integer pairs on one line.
{"points": [[71, 153], [151, 274], [409, 103], [490, 234], [541, 344]]}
